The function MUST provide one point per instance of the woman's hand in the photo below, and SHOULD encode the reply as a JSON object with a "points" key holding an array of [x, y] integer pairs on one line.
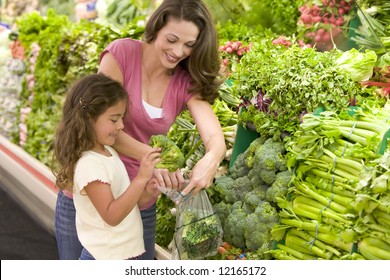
{"points": [[170, 180], [202, 175]]}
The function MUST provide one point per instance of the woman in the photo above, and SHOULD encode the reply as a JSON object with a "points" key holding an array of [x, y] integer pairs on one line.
{"points": [[175, 67]]}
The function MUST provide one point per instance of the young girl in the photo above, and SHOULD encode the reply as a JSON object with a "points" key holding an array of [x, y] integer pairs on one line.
{"points": [[108, 219]]}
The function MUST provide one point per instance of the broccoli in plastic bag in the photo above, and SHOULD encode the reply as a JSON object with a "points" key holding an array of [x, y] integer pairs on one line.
{"points": [[198, 230]]}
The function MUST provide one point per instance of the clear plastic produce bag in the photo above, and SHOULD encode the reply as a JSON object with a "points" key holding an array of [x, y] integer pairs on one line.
{"points": [[198, 231], [175, 195]]}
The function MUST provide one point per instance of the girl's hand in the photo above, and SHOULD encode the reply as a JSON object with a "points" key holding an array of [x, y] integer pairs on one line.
{"points": [[170, 180], [148, 163], [202, 175], [151, 188]]}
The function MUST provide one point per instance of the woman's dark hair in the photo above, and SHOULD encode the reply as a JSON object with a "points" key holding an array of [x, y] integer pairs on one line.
{"points": [[204, 62], [86, 100]]}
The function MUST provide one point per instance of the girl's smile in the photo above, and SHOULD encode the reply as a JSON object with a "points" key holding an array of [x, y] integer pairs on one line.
{"points": [[108, 125]]}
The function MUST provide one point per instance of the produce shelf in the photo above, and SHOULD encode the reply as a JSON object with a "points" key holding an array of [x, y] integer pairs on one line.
{"points": [[32, 185], [29, 182]]}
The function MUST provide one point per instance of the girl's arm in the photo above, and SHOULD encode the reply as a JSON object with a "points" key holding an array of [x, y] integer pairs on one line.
{"points": [[210, 130], [114, 210]]}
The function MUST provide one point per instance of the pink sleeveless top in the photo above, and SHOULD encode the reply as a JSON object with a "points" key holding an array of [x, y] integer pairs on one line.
{"points": [[138, 124]]}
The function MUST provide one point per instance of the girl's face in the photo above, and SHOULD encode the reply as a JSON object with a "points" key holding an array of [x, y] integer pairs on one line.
{"points": [[174, 42], [108, 125]]}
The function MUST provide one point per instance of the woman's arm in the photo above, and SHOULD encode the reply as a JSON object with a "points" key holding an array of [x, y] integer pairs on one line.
{"points": [[124, 144], [210, 130], [127, 145], [110, 67]]}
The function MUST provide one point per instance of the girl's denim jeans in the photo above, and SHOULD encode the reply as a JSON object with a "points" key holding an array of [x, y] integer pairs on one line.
{"points": [[149, 222], [68, 244]]}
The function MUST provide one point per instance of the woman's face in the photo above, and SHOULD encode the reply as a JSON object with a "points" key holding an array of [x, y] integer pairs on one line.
{"points": [[174, 42]]}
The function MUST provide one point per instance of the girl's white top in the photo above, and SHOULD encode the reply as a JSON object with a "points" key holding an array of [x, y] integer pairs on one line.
{"points": [[100, 239]]}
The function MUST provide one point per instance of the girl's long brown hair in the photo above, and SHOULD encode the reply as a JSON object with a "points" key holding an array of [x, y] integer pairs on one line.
{"points": [[204, 62], [86, 100]]}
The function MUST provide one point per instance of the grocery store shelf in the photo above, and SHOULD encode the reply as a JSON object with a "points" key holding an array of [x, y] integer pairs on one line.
{"points": [[32, 185], [28, 182]]}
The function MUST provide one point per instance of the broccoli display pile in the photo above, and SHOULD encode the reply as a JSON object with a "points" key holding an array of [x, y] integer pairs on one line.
{"points": [[171, 156], [245, 198]]}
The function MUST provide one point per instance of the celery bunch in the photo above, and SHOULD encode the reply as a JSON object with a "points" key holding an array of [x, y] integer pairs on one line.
{"points": [[339, 202]]}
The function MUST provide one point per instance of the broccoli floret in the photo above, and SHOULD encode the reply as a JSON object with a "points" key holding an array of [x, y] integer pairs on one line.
{"points": [[254, 198], [237, 205], [235, 227], [254, 176], [229, 197], [239, 168], [247, 208], [258, 226], [241, 187], [232, 190], [261, 190], [267, 176], [222, 210], [257, 234], [269, 155], [253, 147], [222, 187], [280, 187], [171, 156], [223, 183], [267, 213], [268, 160]]}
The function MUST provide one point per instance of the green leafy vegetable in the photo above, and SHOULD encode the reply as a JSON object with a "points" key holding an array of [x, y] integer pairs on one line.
{"points": [[281, 84], [360, 65]]}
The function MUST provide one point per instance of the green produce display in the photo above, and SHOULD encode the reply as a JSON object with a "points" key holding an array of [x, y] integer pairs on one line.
{"points": [[289, 82], [338, 206], [240, 197]]}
